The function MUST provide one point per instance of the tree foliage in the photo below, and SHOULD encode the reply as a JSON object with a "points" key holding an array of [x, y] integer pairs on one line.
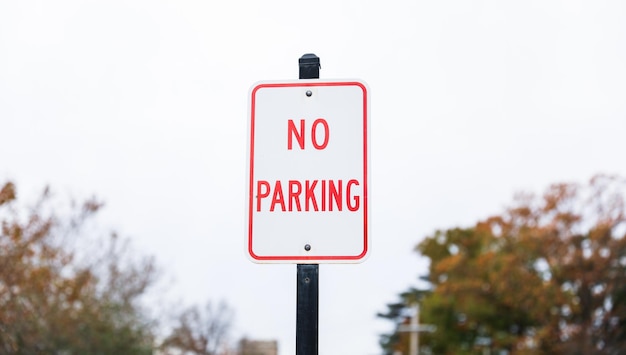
{"points": [[547, 276], [55, 298], [200, 331], [65, 291]]}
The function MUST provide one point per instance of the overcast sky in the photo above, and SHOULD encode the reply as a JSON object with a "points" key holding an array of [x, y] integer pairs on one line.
{"points": [[144, 104]]}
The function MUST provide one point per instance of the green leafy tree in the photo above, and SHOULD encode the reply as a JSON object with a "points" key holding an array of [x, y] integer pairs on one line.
{"points": [[57, 299], [547, 276]]}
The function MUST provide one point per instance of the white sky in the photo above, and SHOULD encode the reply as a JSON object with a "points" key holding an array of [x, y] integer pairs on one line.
{"points": [[143, 103]]}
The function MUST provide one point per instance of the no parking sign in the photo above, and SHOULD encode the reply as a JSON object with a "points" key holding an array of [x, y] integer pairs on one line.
{"points": [[308, 177]]}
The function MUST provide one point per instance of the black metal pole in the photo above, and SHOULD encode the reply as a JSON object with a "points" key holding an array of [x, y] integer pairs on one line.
{"points": [[307, 314], [307, 309]]}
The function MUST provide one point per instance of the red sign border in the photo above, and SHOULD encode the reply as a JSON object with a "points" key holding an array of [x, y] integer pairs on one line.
{"points": [[310, 258]]}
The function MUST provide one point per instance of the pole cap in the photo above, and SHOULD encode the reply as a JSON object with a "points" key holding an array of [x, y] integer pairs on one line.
{"points": [[309, 66]]}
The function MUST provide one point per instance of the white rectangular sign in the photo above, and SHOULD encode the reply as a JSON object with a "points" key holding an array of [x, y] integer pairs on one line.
{"points": [[308, 177]]}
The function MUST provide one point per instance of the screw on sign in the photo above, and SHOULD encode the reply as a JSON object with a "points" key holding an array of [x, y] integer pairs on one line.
{"points": [[308, 180]]}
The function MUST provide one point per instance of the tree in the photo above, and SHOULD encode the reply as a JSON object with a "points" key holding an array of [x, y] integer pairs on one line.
{"points": [[547, 276], [55, 298], [200, 331]]}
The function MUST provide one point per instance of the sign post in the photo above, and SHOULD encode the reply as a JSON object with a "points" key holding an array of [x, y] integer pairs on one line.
{"points": [[308, 181], [307, 280]]}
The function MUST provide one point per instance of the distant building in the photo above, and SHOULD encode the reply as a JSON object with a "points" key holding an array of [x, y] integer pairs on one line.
{"points": [[258, 347]]}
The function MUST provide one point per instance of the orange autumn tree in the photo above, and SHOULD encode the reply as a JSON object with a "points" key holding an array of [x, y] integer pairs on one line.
{"points": [[55, 298], [547, 276]]}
